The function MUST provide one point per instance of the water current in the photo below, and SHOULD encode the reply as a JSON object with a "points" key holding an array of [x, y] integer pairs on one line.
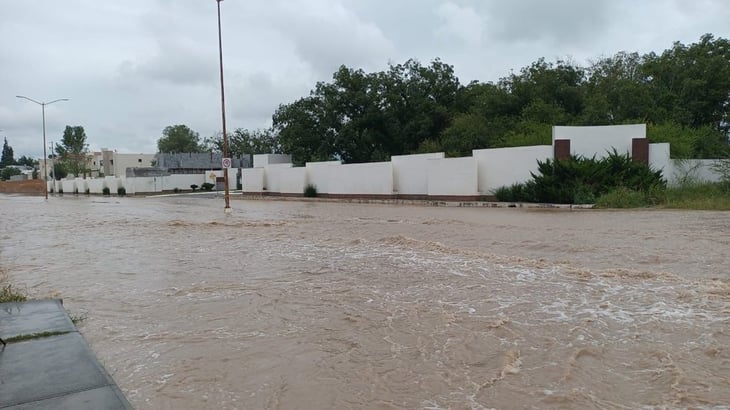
{"points": [[321, 305]]}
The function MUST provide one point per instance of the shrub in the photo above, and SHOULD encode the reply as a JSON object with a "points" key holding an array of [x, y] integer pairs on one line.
{"points": [[88, 191], [121, 191], [176, 190], [7, 294], [76, 191], [60, 191], [207, 186], [513, 193], [106, 191], [194, 187], [310, 191]]}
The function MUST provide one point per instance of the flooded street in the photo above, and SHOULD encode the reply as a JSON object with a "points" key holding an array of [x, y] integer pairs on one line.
{"points": [[315, 305]]}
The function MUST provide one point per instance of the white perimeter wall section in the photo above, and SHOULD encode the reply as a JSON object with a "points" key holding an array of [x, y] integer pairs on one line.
{"points": [[599, 140], [273, 177], [252, 179], [180, 181], [506, 166], [292, 180], [692, 170], [262, 160], [375, 178], [453, 177], [659, 158], [410, 173], [318, 174]]}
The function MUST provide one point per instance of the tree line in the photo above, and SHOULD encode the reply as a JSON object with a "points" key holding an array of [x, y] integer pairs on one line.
{"points": [[683, 94]]}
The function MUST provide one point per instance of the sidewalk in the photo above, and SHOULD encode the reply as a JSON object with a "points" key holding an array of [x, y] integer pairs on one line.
{"points": [[46, 363]]}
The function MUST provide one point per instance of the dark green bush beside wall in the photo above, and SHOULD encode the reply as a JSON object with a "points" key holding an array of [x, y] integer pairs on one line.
{"points": [[580, 180]]}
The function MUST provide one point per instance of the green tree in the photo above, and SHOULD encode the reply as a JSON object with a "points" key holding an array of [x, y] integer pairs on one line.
{"points": [[691, 84], [244, 142], [27, 161], [8, 172], [7, 156], [360, 117], [73, 150], [179, 139]]}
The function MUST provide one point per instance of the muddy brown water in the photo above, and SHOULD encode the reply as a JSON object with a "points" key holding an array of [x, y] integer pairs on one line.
{"points": [[302, 305]]}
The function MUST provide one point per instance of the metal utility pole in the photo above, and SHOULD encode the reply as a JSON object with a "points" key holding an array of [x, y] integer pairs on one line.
{"points": [[227, 209], [43, 109]]}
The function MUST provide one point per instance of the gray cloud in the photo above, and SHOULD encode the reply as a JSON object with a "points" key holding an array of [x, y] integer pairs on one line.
{"points": [[131, 68]]}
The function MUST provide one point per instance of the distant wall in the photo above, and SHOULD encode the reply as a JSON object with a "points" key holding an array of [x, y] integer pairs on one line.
{"points": [[410, 173], [292, 180], [375, 178], [252, 179], [693, 170], [318, 174], [506, 166], [453, 177], [262, 160], [272, 176], [600, 140]]}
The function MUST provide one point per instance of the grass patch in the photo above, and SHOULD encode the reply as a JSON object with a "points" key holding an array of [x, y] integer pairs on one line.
{"points": [[622, 198], [699, 196], [32, 336], [704, 196], [8, 294], [77, 318]]}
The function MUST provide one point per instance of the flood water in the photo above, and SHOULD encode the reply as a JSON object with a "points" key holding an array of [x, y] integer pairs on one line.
{"points": [[314, 305]]}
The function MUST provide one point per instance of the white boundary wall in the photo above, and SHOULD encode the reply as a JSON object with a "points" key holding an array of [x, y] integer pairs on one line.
{"points": [[410, 173], [692, 170], [318, 174], [292, 180], [453, 177], [499, 167], [600, 140], [252, 179], [374, 178], [272, 176]]}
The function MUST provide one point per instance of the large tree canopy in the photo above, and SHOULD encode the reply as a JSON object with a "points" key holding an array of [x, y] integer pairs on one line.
{"points": [[682, 93], [73, 149], [179, 139]]}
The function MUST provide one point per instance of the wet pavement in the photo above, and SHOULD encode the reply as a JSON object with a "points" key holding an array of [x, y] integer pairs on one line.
{"points": [[54, 371]]}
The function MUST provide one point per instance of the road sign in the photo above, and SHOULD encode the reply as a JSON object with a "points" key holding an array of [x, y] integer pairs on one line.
{"points": [[226, 162]]}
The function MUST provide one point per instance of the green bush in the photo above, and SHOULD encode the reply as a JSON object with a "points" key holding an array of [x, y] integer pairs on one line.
{"points": [[76, 191], [8, 172], [194, 187], [622, 197], [310, 191], [513, 193], [580, 180], [121, 191], [60, 191], [106, 191], [176, 190], [88, 191], [207, 186]]}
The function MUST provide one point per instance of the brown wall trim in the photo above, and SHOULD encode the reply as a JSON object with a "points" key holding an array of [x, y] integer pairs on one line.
{"points": [[561, 149], [640, 150]]}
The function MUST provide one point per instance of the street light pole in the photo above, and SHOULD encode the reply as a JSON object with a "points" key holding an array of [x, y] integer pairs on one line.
{"points": [[43, 109], [227, 209]]}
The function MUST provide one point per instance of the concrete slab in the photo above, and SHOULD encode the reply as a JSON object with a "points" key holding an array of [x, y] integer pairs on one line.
{"points": [[55, 370], [33, 317], [108, 398]]}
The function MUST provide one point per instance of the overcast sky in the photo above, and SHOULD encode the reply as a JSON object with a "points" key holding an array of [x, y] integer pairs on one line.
{"points": [[130, 68]]}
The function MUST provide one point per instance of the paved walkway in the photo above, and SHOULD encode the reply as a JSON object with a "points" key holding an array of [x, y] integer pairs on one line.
{"points": [[46, 363]]}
